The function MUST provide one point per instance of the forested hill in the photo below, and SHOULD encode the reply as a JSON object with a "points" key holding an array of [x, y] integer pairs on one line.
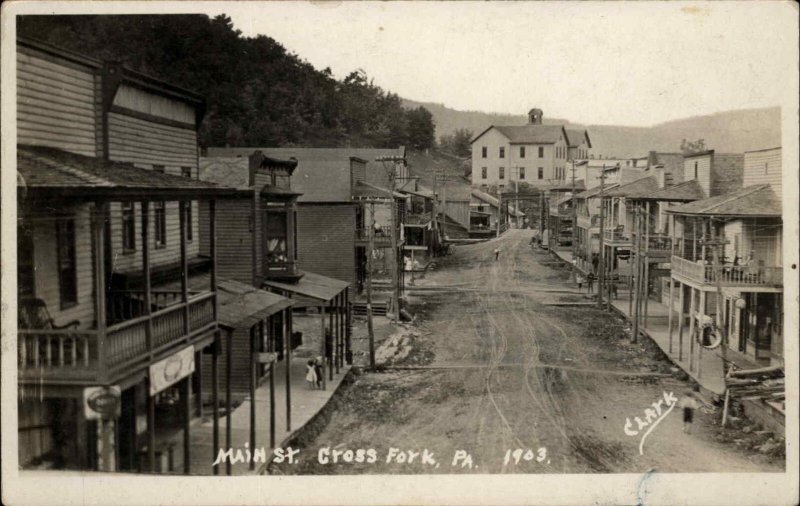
{"points": [[726, 132], [258, 94]]}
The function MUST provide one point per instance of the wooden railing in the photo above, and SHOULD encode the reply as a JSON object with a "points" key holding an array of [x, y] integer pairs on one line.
{"points": [[123, 305], [417, 219], [83, 351], [616, 234], [730, 275]]}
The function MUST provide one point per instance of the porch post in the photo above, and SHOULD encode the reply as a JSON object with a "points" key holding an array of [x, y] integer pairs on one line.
{"points": [[146, 271], [691, 327], [228, 400], [702, 310], [335, 343], [185, 393], [288, 359], [151, 428], [347, 346], [215, 397], [252, 394], [681, 320], [646, 261], [212, 243], [271, 405], [670, 310], [98, 236], [184, 268], [331, 348], [322, 341], [198, 382]]}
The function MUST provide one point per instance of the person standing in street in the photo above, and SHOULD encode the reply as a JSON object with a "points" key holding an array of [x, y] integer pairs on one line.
{"points": [[496, 254], [311, 374], [688, 403], [590, 282]]}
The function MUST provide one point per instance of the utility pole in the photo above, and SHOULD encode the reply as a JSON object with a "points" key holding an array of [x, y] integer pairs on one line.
{"points": [[392, 169], [435, 216], [574, 227], [637, 267], [370, 249], [601, 264]]}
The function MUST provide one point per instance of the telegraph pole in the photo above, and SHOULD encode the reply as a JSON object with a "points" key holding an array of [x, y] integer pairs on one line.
{"points": [[392, 168], [370, 249], [435, 216], [574, 227], [601, 264]]}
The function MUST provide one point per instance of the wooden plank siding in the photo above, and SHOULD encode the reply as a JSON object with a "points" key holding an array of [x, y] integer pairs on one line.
{"points": [[764, 167], [703, 164], [56, 104], [138, 141], [155, 105], [234, 238], [726, 173], [128, 261], [326, 240], [45, 252]]}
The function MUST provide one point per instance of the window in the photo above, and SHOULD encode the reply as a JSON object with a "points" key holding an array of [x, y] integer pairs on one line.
{"points": [[67, 264], [484, 171], [502, 152], [541, 151], [128, 228], [160, 218], [695, 170], [522, 172], [484, 152], [541, 173], [186, 172], [522, 151], [275, 237], [159, 168], [502, 173]]}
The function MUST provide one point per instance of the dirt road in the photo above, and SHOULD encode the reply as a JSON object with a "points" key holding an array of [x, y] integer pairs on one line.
{"points": [[496, 367]]}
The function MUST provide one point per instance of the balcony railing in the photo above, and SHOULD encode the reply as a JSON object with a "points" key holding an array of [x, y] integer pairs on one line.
{"points": [[382, 235], [91, 354], [417, 219], [729, 275], [616, 235]]}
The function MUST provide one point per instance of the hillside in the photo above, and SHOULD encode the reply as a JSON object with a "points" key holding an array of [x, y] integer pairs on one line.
{"points": [[730, 131]]}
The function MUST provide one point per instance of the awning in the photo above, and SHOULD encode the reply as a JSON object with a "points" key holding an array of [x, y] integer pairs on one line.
{"points": [[311, 285], [239, 305]]}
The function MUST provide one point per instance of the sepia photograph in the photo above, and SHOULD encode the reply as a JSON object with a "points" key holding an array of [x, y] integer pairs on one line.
{"points": [[400, 252]]}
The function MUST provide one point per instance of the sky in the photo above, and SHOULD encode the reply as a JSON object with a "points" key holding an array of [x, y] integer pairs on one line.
{"points": [[592, 63]]}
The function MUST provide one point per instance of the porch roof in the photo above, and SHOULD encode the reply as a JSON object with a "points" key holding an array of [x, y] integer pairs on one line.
{"points": [[51, 172], [239, 305], [594, 192], [749, 202], [686, 191], [315, 286], [364, 189], [645, 184]]}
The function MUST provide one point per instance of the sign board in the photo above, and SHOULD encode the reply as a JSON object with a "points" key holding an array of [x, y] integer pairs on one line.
{"points": [[101, 403], [267, 358], [167, 372]]}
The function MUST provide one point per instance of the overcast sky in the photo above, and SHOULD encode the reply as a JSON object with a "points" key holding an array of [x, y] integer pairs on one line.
{"points": [[609, 63]]}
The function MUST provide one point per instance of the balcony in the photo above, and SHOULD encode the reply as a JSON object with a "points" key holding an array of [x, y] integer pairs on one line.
{"points": [[616, 236], [757, 275], [67, 356], [658, 246], [382, 236]]}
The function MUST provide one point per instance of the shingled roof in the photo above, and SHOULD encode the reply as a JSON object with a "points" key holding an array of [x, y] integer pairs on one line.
{"points": [[751, 201], [687, 192], [574, 135], [51, 172], [594, 192], [529, 134], [645, 184]]}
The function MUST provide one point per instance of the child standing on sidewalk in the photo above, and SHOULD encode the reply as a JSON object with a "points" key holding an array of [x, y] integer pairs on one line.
{"points": [[311, 375]]}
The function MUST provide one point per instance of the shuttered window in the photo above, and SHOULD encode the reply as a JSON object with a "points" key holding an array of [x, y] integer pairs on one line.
{"points": [[128, 228], [67, 265]]}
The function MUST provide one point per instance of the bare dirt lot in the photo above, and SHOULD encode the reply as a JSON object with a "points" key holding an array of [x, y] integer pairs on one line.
{"points": [[495, 367]]}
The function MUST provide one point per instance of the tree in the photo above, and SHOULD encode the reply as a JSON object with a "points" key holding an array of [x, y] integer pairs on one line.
{"points": [[689, 147], [458, 143], [420, 128]]}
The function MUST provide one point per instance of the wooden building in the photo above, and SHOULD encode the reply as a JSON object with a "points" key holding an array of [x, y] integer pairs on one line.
{"points": [[107, 159]]}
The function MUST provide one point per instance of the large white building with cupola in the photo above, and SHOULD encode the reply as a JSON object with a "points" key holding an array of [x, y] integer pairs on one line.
{"points": [[535, 153]]}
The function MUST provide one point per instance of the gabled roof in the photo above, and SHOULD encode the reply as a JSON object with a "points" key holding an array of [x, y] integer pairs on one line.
{"points": [[687, 191], [493, 201], [751, 201], [51, 172], [529, 134], [574, 135], [594, 192], [645, 184]]}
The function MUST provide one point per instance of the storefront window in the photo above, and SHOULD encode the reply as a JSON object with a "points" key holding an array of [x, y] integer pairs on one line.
{"points": [[276, 235]]}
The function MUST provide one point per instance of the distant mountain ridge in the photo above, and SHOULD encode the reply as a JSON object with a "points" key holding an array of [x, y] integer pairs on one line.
{"points": [[730, 131]]}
